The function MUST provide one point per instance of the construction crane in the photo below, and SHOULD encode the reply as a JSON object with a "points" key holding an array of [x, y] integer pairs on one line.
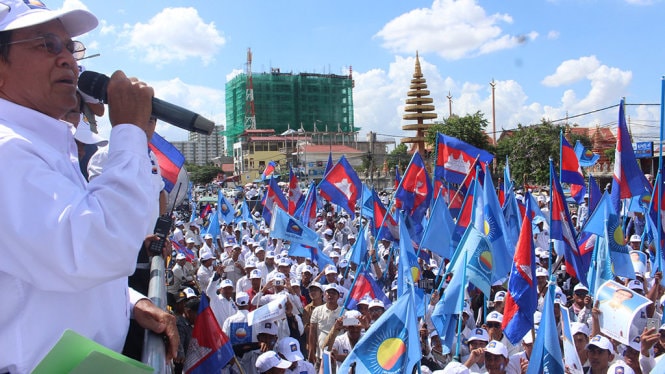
{"points": [[250, 114]]}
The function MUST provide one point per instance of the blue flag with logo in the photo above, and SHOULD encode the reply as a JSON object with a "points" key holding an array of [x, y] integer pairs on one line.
{"points": [[391, 345], [287, 227]]}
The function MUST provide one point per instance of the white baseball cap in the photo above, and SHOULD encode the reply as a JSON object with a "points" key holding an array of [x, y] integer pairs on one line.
{"points": [[17, 14], [620, 366], [290, 349], [601, 342], [496, 348], [479, 334], [269, 360], [225, 283], [242, 298], [500, 296], [495, 317], [579, 328], [255, 274]]}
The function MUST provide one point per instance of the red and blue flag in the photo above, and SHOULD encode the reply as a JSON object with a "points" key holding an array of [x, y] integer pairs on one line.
{"points": [[571, 172], [365, 285], [209, 349], [342, 186], [397, 178], [269, 171], [306, 212], [385, 225], [627, 175], [295, 193], [274, 197], [169, 158], [563, 232], [455, 158], [414, 193], [522, 296]]}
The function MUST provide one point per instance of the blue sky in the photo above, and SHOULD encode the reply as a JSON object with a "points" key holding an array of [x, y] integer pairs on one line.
{"points": [[548, 58]]}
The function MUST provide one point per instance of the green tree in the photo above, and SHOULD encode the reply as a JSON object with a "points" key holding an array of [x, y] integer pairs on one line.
{"points": [[529, 149], [470, 129], [398, 156], [202, 174]]}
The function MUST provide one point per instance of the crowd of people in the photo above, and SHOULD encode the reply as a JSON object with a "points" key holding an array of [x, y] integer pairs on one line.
{"points": [[245, 268]]}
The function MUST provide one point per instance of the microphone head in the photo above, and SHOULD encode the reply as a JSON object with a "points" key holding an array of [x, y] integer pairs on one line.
{"points": [[94, 84]]}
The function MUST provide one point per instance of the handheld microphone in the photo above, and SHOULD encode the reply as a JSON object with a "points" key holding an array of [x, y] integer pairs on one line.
{"points": [[95, 84]]}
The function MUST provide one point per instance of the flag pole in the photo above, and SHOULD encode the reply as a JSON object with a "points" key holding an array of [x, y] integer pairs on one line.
{"points": [[659, 178], [461, 303]]}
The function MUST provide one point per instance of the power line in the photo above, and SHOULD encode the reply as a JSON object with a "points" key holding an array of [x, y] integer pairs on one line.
{"points": [[598, 110]]}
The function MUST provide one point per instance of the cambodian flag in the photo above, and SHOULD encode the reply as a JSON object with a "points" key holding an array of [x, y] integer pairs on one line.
{"points": [[169, 158], [397, 178], [306, 212], [571, 172], [628, 177], [206, 210], [385, 225], [274, 197], [562, 232], [269, 171], [586, 156], [209, 349], [189, 254], [454, 158], [414, 193], [365, 285], [522, 297], [295, 193], [342, 186], [465, 216]]}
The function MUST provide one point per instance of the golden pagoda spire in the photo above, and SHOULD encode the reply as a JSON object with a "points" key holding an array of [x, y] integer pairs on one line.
{"points": [[418, 108]]}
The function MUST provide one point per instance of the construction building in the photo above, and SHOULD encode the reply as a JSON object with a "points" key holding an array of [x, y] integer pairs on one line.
{"points": [[314, 103]]}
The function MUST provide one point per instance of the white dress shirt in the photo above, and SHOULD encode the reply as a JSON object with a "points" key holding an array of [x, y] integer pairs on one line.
{"points": [[68, 246]]}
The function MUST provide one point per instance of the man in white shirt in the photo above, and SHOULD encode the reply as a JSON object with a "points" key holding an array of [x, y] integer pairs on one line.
{"points": [[73, 274]]}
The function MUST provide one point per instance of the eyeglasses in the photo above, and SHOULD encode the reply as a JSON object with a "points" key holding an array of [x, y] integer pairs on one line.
{"points": [[54, 45], [495, 325]]}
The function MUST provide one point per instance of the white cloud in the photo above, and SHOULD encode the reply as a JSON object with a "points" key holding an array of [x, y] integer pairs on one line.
{"points": [[553, 35], [454, 29], [571, 71], [105, 28], [162, 40]]}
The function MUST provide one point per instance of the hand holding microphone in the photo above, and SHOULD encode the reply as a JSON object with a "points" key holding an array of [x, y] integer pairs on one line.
{"points": [[96, 85]]}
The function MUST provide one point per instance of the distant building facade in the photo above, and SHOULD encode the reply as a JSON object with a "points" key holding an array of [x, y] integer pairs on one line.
{"points": [[202, 149]]}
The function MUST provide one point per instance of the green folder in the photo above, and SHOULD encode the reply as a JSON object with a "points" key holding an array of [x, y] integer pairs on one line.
{"points": [[74, 353]]}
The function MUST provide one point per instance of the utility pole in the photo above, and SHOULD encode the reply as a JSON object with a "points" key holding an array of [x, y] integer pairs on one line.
{"points": [[493, 112]]}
